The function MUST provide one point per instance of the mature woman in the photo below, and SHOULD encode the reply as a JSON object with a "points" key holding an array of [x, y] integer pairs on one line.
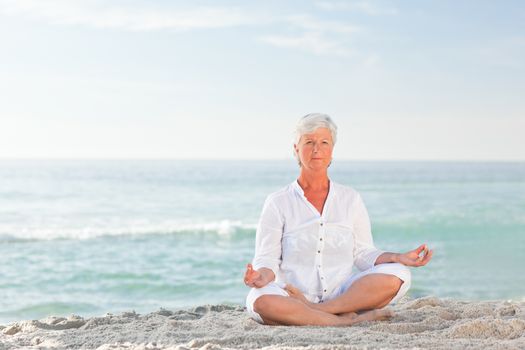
{"points": [[310, 235]]}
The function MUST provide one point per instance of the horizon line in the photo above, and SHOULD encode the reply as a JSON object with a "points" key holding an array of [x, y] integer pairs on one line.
{"points": [[255, 159]]}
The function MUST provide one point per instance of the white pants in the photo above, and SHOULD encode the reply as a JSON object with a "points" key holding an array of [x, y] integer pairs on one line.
{"points": [[273, 288]]}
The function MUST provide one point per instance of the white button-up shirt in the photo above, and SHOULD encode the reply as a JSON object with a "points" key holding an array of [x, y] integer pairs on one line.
{"points": [[314, 252]]}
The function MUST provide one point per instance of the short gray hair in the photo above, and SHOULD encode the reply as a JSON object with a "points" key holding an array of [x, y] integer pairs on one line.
{"points": [[310, 122]]}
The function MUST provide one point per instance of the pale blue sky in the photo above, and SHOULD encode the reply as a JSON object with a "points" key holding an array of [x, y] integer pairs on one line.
{"points": [[229, 79]]}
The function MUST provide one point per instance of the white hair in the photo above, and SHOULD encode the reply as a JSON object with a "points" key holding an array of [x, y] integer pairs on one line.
{"points": [[311, 122]]}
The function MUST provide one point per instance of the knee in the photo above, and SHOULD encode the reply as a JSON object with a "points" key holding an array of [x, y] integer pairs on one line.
{"points": [[262, 303], [394, 284]]}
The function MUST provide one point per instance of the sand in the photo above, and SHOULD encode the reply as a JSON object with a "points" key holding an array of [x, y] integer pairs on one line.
{"points": [[425, 323]]}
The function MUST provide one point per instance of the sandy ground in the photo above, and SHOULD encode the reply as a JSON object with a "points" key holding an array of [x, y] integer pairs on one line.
{"points": [[426, 323]]}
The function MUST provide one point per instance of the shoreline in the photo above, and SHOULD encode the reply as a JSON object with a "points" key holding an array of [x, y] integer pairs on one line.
{"points": [[423, 323]]}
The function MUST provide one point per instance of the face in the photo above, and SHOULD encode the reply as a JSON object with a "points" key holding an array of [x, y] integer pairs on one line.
{"points": [[315, 149]]}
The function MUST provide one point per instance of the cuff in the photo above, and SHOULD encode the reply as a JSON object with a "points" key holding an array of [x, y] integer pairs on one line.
{"points": [[272, 266], [368, 259]]}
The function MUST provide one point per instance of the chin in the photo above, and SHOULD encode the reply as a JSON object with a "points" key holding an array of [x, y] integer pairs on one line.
{"points": [[318, 166]]}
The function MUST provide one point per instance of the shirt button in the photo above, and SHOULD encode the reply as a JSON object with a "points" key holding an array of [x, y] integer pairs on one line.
{"points": [[321, 224], [322, 278], [318, 251], [325, 290], [321, 238]]}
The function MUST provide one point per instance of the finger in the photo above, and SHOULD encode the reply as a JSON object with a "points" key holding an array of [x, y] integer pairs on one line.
{"points": [[420, 249], [248, 270], [247, 280], [428, 257], [425, 260], [251, 280], [249, 275], [251, 272], [420, 256], [292, 291], [425, 251]]}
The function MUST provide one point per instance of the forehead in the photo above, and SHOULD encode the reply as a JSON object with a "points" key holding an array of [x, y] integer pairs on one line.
{"points": [[318, 133]]}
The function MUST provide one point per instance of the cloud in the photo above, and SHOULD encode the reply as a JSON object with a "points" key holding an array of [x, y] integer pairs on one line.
{"points": [[308, 22], [315, 36], [366, 7], [297, 31], [98, 14], [309, 42]]}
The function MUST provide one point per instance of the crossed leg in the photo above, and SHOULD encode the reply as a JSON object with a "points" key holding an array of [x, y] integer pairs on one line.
{"points": [[369, 292], [281, 310]]}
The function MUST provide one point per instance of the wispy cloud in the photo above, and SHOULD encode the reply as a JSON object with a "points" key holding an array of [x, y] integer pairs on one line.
{"points": [[308, 22], [99, 14], [363, 6], [304, 32], [309, 42], [315, 36]]}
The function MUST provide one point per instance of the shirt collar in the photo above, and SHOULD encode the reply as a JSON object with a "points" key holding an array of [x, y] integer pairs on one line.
{"points": [[298, 187], [300, 190]]}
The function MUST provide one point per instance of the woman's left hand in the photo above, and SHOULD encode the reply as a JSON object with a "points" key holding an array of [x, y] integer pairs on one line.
{"points": [[414, 257]]}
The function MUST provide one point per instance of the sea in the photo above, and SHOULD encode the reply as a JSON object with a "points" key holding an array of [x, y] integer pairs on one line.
{"points": [[91, 237]]}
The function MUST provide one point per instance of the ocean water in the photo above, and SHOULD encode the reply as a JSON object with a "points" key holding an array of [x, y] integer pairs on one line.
{"points": [[91, 237]]}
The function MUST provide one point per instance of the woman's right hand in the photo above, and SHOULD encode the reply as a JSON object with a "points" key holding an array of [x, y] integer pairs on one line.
{"points": [[253, 278]]}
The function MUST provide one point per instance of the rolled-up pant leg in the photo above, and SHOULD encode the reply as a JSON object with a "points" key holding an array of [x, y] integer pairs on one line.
{"points": [[272, 288]]}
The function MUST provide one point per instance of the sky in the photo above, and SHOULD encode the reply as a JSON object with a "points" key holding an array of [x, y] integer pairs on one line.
{"points": [[403, 80]]}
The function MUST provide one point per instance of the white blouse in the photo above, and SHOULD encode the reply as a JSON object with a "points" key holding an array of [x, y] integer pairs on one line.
{"points": [[314, 252]]}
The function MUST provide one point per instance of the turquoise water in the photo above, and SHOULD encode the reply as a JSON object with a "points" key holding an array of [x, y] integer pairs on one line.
{"points": [[90, 237]]}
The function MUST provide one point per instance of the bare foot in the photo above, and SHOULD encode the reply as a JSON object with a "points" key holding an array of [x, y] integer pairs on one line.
{"points": [[348, 319], [296, 294], [372, 315]]}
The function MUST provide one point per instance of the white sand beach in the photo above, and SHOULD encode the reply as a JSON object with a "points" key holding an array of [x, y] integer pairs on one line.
{"points": [[425, 323]]}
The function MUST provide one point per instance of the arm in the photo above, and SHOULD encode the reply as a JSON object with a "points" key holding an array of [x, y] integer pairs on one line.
{"points": [[267, 248], [367, 256], [365, 253], [386, 258], [411, 258]]}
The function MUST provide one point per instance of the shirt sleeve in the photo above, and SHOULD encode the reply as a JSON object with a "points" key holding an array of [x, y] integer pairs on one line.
{"points": [[268, 238], [365, 253]]}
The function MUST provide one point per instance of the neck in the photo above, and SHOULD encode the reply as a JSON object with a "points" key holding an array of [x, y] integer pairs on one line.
{"points": [[314, 180]]}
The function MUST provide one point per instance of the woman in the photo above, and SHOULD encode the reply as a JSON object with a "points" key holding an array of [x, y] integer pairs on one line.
{"points": [[310, 235]]}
